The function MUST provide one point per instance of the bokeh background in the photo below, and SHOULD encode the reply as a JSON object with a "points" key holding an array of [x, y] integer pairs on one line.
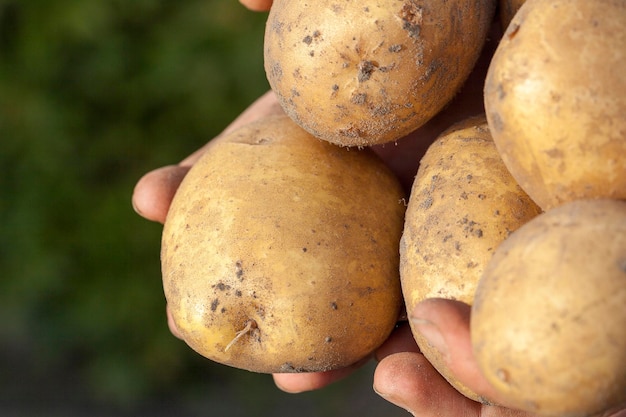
{"points": [[93, 94]]}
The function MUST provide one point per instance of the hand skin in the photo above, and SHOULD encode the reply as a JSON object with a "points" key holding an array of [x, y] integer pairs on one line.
{"points": [[257, 5], [403, 376]]}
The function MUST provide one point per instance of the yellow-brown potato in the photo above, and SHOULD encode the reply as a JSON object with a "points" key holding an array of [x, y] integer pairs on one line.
{"points": [[555, 97], [548, 320], [280, 251], [463, 204], [362, 72]]}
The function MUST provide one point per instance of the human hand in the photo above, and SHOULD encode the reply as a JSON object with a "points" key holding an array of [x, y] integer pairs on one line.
{"points": [[154, 191], [405, 378]]}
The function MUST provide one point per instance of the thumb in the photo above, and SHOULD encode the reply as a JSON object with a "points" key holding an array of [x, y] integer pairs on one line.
{"points": [[446, 326], [154, 192]]}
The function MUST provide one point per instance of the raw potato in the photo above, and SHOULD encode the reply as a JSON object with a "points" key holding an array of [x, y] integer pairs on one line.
{"points": [[548, 318], [361, 72], [463, 204], [555, 97], [280, 251]]}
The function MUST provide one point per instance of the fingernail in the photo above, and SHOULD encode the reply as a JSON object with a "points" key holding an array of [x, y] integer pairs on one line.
{"points": [[431, 333]]}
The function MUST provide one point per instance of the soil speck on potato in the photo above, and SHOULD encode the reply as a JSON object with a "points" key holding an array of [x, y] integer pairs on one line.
{"points": [[427, 203], [366, 68], [239, 270], [287, 367], [496, 122], [277, 71], [411, 15], [359, 98], [555, 153], [500, 91], [221, 286]]}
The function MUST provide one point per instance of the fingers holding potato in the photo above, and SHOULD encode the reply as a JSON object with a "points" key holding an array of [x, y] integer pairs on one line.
{"points": [[282, 252]]}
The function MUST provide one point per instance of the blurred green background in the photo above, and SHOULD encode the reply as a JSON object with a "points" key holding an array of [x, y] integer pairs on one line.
{"points": [[93, 94]]}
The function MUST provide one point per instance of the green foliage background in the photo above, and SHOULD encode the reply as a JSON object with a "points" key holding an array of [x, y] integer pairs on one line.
{"points": [[93, 94]]}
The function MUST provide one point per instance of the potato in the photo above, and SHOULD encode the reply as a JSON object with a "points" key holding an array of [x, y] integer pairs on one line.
{"points": [[555, 96], [548, 318], [507, 10], [362, 72], [280, 251], [463, 204]]}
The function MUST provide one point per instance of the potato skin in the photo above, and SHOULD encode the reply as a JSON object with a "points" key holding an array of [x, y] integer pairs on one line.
{"points": [[363, 72], [462, 205], [294, 235], [555, 96], [547, 323]]}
